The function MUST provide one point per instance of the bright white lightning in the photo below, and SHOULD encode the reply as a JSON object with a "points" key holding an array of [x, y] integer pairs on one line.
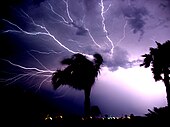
{"points": [[92, 38], [107, 8], [28, 68], [33, 72], [72, 23], [67, 10], [47, 33], [64, 21], [44, 31], [104, 26]]}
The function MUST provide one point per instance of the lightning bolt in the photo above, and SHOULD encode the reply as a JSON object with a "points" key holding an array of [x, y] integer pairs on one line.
{"points": [[104, 25], [63, 20], [33, 70], [92, 38], [46, 33], [67, 10], [42, 30], [72, 23]]}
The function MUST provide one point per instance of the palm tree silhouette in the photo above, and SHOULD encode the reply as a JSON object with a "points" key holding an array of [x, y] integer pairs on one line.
{"points": [[80, 74], [159, 60]]}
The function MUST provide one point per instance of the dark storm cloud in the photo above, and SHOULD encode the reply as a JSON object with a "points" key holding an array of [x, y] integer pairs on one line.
{"points": [[135, 18], [80, 29], [165, 4], [38, 2], [9, 8], [7, 4], [5, 7]]}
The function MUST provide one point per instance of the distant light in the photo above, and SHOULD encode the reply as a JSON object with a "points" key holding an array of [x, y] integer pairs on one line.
{"points": [[128, 117], [48, 117]]}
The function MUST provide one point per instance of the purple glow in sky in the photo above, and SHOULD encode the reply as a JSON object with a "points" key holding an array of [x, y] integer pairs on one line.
{"points": [[37, 34]]}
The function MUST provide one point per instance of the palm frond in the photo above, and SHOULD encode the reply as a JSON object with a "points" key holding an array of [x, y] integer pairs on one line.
{"points": [[147, 60]]}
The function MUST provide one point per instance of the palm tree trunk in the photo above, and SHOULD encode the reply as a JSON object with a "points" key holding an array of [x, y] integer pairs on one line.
{"points": [[87, 102], [167, 85]]}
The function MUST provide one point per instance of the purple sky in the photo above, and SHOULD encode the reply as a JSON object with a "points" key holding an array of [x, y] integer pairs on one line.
{"points": [[37, 34]]}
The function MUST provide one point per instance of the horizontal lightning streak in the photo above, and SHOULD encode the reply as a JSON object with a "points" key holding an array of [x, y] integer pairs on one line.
{"points": [[39, 72], [45, 53], [9, 79], [47, 33], [18, 78], [28, 68]]}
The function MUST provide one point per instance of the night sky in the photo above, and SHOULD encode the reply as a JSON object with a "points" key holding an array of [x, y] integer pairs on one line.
{"points": [[35, 35]]}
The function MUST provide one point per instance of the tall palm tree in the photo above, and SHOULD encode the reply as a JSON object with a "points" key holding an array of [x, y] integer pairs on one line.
{"points": [[159, 59], [80, 74]]}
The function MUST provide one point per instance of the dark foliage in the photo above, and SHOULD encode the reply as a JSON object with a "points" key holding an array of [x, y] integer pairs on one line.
{"points": [[80, 74], [159, 60], [158, 113]]}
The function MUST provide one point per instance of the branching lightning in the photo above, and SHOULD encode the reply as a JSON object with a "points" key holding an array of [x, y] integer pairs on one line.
{"points": [[47, 33], [104, 25], [32, 72], [103, 11], [67, 9], [72, 23], [46, 73]]}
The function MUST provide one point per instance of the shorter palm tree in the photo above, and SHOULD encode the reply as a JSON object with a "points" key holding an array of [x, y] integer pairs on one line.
{"points": [[159, 59], [80, 74]]}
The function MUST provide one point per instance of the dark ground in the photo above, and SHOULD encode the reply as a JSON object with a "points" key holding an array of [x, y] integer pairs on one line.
{"points": [[25, 109]]}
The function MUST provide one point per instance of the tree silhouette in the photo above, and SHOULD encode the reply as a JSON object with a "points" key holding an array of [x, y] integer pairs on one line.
{"points": [[159, 60], [158, 113], [80, 74]]}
